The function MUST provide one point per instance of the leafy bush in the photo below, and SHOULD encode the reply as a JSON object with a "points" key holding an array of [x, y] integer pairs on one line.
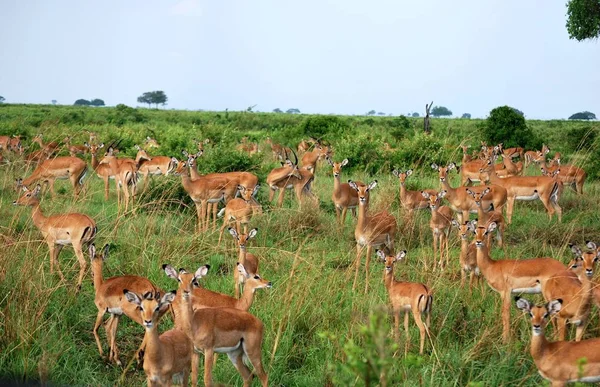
{"points": [[363, 152], [421, 150], [227, 160], [124, 114], [507, 125], [321, 126], [399, 125], [581, 138]]}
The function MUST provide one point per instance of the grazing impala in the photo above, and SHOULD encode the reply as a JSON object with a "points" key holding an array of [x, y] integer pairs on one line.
{"points": [[575, 292], [371, 230], [407, 296], [512, 276], [61, 168], [441, 220], [126, 177], [461, 202], [486, 217], [109, 299], [166, 355], [468, 252], [151, 166], [571, 175], [411, 200], [547, 189], [560, 362], [75, 149], [61, 230], [240, 210], [50, 148], [344, 197], [217, 330], [249, 261]]}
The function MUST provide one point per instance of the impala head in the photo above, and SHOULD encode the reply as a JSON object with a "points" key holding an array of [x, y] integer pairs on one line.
{"points": [[389, 260], [465, 149], [248, 193], [402, 175], [584, 262], [151, 306], [478, 196], [539, 314], [200, 143], [141, 154], [253, 281], [186, 280], [94, 148], [149, 142], [539, 156], [484, 174], [98, 257], [242, 239], [363, 190], [434, 200], [180, 167], [468, 227], [108, 156], [67, 140], [29, 197], [481, 232], [337, 167], [545, 149], [443, 171]]}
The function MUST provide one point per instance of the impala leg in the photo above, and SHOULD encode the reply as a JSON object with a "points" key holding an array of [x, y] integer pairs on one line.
{"points": [[195, 365], [506, 316], [354, 212], [396, 329], [510, 204], [96, 326], [368, 260], [208, 364], [337, 215], [562, 328], [82, 264], [271, 194], [447, 252], [463, 277], [54, 253], [106, 179], [280, 197], [145, 177], [579, 331], [51, 186], [418, 320], [359, 249], [215, 208], [236, 360], [113, 339], [548, 206], [406, 333], [199, 215], [223, 230]]}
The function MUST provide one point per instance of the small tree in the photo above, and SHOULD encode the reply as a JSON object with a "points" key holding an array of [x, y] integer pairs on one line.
{"points": [[54, 102], [583, 116], [145, 98], [415, 115], [466, 115], [82, 102], [293, 111], [505, 125], [371, 113], [2, 99], [440, 111], [583, 19], [153, 97], [381, 114], [277, 110], [97, 102]]}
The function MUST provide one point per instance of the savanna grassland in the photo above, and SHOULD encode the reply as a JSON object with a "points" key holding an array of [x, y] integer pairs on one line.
{"points": [[318, 331]]}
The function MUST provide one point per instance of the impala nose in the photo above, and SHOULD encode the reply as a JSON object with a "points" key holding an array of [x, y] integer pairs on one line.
{"points": [[589, 272], [270, 284]]}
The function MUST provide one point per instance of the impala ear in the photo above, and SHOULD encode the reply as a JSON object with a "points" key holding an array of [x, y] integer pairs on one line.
{"points": [[252, 233], [455, 223], [491, 227], [132, 297], [470, 192], [101, 146], [242, 270], [576, 250], [554, 306], [105, 252], [233, 232], [255, 190], [344, 162], [380, 254], [591, 245], [36, 190], [185, 153], [167, 299], [472, 225], [92, 251], [523, 304], [425, 194], [400, 256], [372, 185], [201, 272], [409, 172], [485, 191], [442, 193], [435, 166], [137, 147], [451, 166], [352, 185], [85, 144], [396, 172], [171, 272], [329, 160]]}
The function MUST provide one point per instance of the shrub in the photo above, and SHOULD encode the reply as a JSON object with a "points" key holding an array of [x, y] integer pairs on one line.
{"points": [[362, 151], [227, 160], [321, 126], [421, 150], [581, 138], [507, 125]]}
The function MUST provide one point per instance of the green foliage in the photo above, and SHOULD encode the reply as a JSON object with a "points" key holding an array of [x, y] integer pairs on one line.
{"points": [[583, 19], [362, 151], [153, 97], [82, 102], [322, 126], [583, 116], [581, 138], [440, 111], [277, 110], [293, 111], [420, 151], [399, 127], [505, 125], [227, 160], [415, 115], [97, 102], [371, 113], [466, 115], [125, 114]]}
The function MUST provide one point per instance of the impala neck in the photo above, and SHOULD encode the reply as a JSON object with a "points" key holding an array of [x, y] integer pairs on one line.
{"points": [[194, 171], [451, 191], [388, 277], [95, 162], [38, 217], [483, 258], [336, 184], [538, 346], [242, 256], [153, 350], [402, 191], [245, 302], [184, 314], [362, 216], [97, 276], [482, 216], [186, 181]]}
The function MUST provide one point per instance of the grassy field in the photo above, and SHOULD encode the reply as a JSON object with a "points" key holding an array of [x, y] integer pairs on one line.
{"points": [[318, 331]]}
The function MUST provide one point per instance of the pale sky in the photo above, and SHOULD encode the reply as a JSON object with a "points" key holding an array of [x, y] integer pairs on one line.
{"points": [[320, 56]]}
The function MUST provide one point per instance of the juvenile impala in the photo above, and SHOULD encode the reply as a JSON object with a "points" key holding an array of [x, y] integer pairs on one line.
{"points": [[411, 200], [109, 298], [576, 293], [217, 330], [560, 362], [468, 252], [486, 217], [407, 296], [61, 230], [240, 210], [47, 172], [75, 149], [371, 230], [344, 197], [166, 355], [249, 261], [512, 276], [441, 220]]}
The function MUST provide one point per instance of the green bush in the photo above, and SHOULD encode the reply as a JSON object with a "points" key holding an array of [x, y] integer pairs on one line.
{"points": [[321, 126], [225, 159], [581, 138], [421, 150], [507, 126], [362, 151]]}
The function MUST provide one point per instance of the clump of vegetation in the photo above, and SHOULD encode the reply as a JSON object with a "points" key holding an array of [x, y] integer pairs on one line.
{"points": [[321, 126], [507, 125]]}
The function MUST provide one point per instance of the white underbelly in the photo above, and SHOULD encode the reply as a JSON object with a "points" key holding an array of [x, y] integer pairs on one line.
{"points": [[534, 290], [63, 242], [228, 349], [587, 379], [116, 310], [528, 198]]}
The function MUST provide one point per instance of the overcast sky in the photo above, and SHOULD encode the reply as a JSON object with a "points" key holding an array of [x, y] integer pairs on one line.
{"points": [[320, 56]]}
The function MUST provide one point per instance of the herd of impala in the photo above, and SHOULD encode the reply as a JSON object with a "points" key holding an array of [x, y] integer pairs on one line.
{"points": [[214, 323]]}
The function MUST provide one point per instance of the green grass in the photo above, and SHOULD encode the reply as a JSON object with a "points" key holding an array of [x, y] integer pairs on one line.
{"points": [[318, 330]]}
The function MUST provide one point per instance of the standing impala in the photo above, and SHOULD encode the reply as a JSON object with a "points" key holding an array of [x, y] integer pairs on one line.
{"points": [[560, 362], [441, 220], [217, 330], [512, 276], [103, 171], [407, 296], [532, 155], [151, 166], [249, 261], [486, 217], [240, 210], [125, 172], [49, 148], [371, 230], [411, 200], [468, 252], [547, 189], [310, 159], [290, 177], [47, 172], [571, 175], [109, 298], [166, 355], [344, 197], [61, 230], [73, 148]]}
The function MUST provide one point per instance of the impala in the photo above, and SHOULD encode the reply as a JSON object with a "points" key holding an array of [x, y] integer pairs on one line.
{"points": [[371, 230], [61, 230], [50, 148], [61, 168], [201, 143], [126, 177], [109, 299], [149, 142], [532, 155], [511, 152], [249, 261], [440, 223], [508, 167], [277, 149], [217, 330], [240, 210], [466, 157], [407, 296], [512, 276], [305, 145], [576, 293], [560, 362], [461, 202], [290, 177], [469, 171], [468, 252], [411, 200], [151, 166], [166, 355], [486, 217], [310, 159], [344, 197], [75, 149], [103, 171], [547, 189], [571, 175]]}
